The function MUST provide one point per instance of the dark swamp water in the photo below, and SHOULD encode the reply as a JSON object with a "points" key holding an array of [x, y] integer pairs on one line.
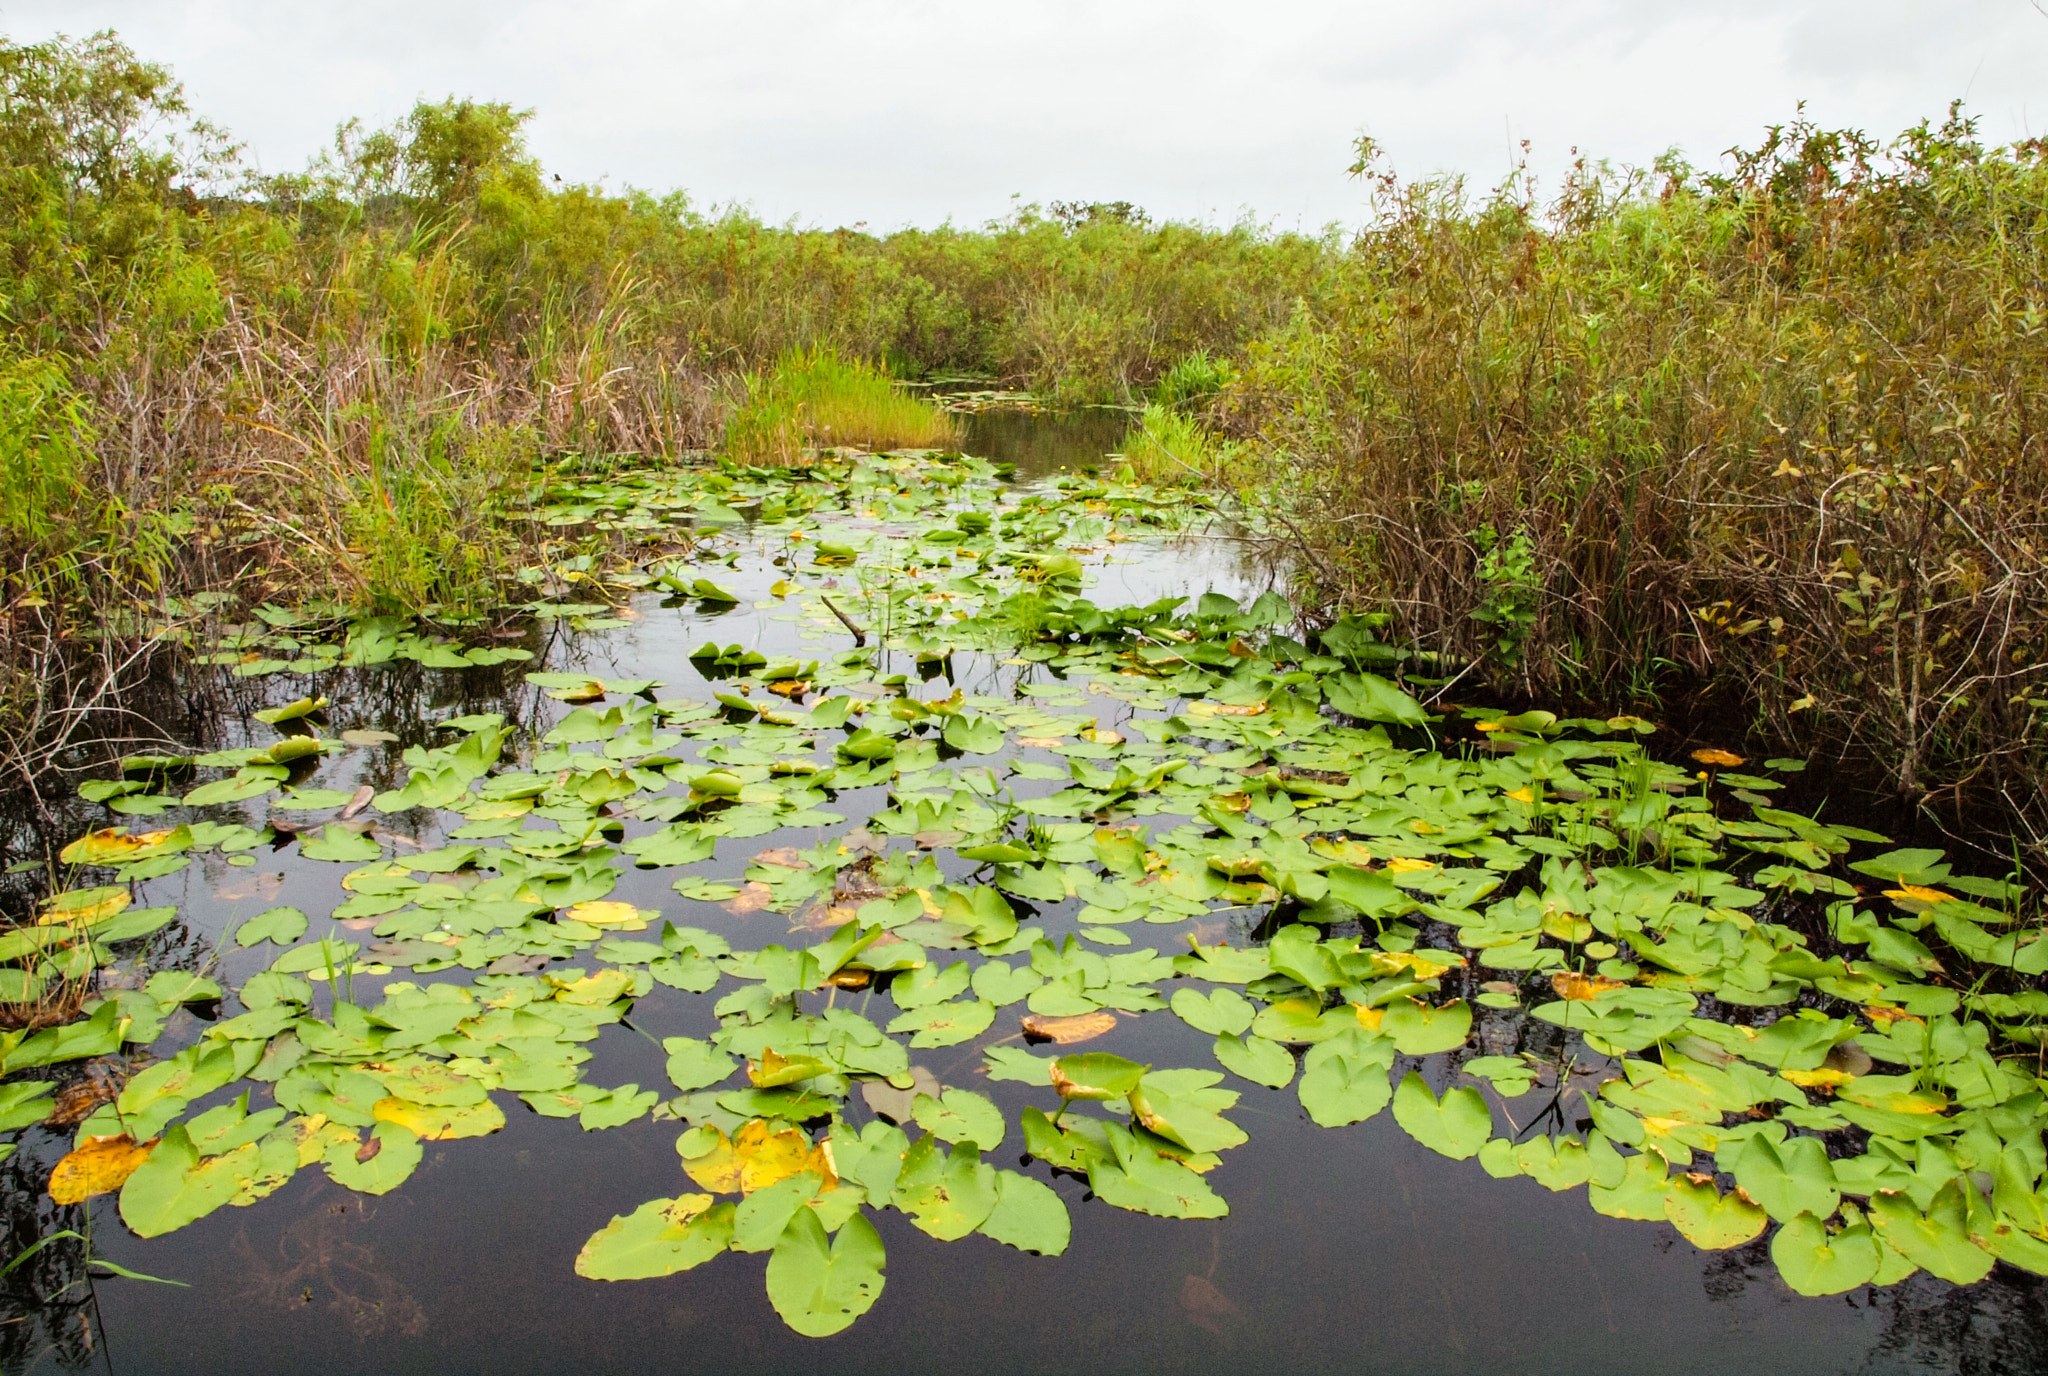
{"points": [[1349, 1250]]}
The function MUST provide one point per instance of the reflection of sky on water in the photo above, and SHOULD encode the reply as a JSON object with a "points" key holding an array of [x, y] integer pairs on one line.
{"points": [[1346, 1251]]}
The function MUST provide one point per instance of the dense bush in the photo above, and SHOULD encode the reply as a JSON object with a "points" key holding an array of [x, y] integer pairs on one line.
{"points": [[1777, 432]]}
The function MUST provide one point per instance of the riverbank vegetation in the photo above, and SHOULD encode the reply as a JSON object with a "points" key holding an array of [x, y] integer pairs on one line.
{"points": [[1765, 437], [1772, 434]]}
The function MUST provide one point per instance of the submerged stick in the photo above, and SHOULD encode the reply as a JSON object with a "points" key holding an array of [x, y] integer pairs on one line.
{"points": [[860, 637]]}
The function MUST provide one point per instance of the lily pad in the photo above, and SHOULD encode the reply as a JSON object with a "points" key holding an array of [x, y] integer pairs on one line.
{"points": [[820, 1288], [1456, 1126], [961, 1115], [1258, 1060], [1344, 1080], [1815, 1262], [660, 1238], [1709, 1219]]}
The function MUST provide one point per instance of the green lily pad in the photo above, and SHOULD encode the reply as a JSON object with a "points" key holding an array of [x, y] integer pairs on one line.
{"points": [[1221, 1012], [1029, 1215], [1639, 1193], [1420, 1029], [339, 843], [280, 925], [175, 1187], [961, 1116], [378, 1164], [1556, 1164], [762, 1216], [1258, 1060], [1456, 1126], [1137, 1178], [1344, 1079], [1814, 1262], [1095, 1075], [947, 1196], [820, 1288], [1000, 983], [945, 1024], [1185, 1107], [1788, 1179], [660, 1238], [1937, 1241], [694, 1064], [1709, 1219]]}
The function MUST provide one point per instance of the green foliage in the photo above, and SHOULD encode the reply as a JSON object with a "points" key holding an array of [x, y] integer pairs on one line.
{"points": [[818, 398], [1174, 450], [1767, 431]]}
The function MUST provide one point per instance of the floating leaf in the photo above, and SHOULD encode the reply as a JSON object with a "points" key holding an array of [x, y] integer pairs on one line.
{"points": [[1815, 1263], [1787, 1179], [1344, 1080], [819, 1288], [1220, 1012], [99, 1165], [280, 925], [1456, 1126], [1420, 1029], [960, 1115], [1258, 1060], [1937, 1241], [380, 1163], [1095, 1075], [1028, 1215], [1709, 1219], [1135, 1177], [173, 1187], [660, 1238], [947, 1196], [945, 1024]]}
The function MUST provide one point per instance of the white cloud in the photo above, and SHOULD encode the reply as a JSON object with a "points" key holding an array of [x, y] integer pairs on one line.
{"points": [[896, 111]]}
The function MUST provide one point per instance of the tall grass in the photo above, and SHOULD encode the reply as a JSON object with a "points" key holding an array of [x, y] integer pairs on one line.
{"points": [[1170, 449], [1775, 434], [818, 397]]}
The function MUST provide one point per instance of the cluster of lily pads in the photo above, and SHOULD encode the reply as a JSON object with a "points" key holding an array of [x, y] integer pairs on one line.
{"points": [[1541, 945]]}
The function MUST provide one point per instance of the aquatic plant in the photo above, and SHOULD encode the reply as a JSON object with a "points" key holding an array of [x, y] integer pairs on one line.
{"points": [[1698, 1006]]}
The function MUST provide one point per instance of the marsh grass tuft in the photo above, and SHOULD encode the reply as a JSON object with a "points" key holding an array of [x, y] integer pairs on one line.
{"points": [[817, 398], [1171, 449]]}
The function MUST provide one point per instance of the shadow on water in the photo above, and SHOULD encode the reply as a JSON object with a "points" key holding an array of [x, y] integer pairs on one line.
{"points": [[1345, 1251]]}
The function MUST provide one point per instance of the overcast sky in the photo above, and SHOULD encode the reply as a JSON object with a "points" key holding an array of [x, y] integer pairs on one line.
{"points": [[894, 112]]}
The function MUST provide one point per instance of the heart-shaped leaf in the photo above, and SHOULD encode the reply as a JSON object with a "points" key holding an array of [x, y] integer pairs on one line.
{"points": [[1258, 1060], [1456, 1126], [1221, 1012], [1344, 1080], [1814, 1263], [821, 1287], [1709, 1219]]}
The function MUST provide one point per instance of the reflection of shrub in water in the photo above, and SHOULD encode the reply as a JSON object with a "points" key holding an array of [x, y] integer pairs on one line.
{"points": [[47, 1304], [317, 1261], [1926, 1323]]}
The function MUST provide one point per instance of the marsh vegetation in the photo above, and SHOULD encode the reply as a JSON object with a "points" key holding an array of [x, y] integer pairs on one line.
{"points": [[495, 662]]}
